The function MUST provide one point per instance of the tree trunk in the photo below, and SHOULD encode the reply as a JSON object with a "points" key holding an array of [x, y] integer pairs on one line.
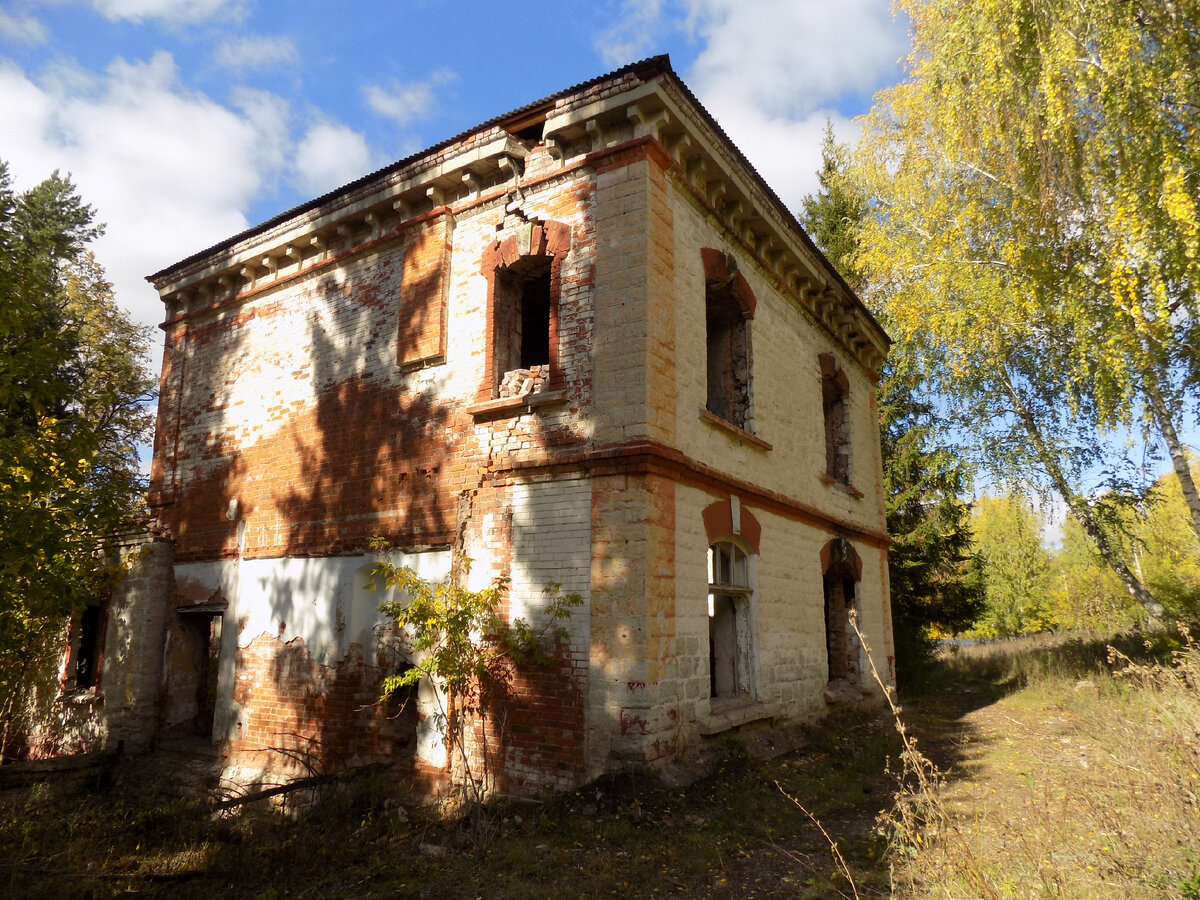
{"points": [[1078, 505], [1179, 459]]}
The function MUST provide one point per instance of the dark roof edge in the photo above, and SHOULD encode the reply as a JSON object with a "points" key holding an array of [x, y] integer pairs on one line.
{"points": [[650, 66], [789, 217]]}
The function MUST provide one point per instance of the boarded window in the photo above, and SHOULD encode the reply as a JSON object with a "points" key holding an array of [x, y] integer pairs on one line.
{"points": [[424, 288]]}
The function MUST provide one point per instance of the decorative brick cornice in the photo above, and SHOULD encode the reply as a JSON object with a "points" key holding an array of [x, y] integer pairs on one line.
{"points": [[647, 106]]}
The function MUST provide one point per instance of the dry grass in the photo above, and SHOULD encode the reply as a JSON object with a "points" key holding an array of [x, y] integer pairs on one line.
{"points": [[1086, 786], [1060, 773]]}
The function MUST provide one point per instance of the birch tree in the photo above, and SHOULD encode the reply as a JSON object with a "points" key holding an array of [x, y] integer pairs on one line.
{"points": [[1035, 229]]}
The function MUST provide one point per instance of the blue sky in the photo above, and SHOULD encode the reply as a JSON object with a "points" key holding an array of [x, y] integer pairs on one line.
{"points": [[185, 121]]}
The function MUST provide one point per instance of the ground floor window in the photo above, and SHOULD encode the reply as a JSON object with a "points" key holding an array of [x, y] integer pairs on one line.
{"points": [[87, 648], [730, 632], [843, 569]]}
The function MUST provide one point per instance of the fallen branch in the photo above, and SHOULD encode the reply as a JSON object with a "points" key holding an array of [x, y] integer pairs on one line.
{"points": [[300, 784]]}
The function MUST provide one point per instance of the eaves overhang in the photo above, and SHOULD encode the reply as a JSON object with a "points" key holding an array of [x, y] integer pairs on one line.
{"points": [[643, 101]]}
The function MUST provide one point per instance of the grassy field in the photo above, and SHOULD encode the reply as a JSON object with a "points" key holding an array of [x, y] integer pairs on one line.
{"points": [[1040, 769]]}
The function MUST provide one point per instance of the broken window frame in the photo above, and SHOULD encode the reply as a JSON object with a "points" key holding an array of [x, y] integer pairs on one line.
{"points": [[729, 306], [531, 251], [732, 572], [842, 575], [522, 331]]}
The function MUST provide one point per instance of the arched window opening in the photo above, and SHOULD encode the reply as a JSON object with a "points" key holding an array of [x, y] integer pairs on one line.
{"points": [[730, 632], [843, 570], [728, 358], [835, 406], [728, 307], [524, 273], [522, 338]]}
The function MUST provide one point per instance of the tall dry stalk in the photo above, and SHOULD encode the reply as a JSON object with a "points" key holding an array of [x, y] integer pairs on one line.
{"points": [[918, 811]]}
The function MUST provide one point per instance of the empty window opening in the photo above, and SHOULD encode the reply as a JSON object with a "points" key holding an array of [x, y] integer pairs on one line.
{"points": [[522, 327], [842, 573], [201, 633], [87, 648], [835, 391], [841, 646], [728, 339], [729, 627]]}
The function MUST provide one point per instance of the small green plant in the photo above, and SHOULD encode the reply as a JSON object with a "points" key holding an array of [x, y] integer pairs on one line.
{"points": [[463, 645]]}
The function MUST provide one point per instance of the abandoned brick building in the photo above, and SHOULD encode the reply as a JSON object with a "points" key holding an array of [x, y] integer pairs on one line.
{"points": [[582, 343]]}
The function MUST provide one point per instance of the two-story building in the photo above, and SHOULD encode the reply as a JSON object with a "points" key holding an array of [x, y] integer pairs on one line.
{"points": [[583, 343]]}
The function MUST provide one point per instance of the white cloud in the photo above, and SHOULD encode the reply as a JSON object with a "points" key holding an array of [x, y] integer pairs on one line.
{"points": [[168, 170], [786, 152], [21, 29], [632, 34], [406, 102], [251, 54], [329, 155], [172, 11], [771, 72], [792, 57]]}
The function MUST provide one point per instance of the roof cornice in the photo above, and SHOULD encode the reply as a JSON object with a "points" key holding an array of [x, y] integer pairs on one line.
{"points": [[642, 101]]}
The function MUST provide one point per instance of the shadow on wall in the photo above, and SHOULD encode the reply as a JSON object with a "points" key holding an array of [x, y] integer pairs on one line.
{"points": [[307, 482]]}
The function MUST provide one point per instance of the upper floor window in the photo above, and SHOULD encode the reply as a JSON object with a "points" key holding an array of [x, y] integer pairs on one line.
{"points": [[524, 273], [522, 326], [728, 308], [835, 407]]}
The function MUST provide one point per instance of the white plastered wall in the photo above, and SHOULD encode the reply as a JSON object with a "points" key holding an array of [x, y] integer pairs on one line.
{"points": [[324, 601]]}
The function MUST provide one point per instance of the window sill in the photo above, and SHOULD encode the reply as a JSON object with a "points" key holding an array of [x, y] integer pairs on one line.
{"points": [[842, 486], [506, 407], [81, 697], [740, 433], [728, 714]]}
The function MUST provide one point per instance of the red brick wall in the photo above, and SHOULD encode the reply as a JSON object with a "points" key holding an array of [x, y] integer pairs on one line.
{"points": [[305, 713], [380, 448]]}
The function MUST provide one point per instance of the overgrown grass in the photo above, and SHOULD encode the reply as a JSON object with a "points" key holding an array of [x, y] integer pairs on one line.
{"points": [[1087, 786], [1061, 772], [730, 834]]}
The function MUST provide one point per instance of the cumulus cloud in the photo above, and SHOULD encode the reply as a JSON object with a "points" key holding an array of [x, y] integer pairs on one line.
{"points": [[631, 36], [772, 71], [251, 54], [21, 28], [406, 102], [792, 57], [172, 11], [329, 155], [169, 170], [786, 152]]}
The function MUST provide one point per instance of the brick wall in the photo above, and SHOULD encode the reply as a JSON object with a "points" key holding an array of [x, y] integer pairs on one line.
{"points": [[309, 716], [305, 418]]}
